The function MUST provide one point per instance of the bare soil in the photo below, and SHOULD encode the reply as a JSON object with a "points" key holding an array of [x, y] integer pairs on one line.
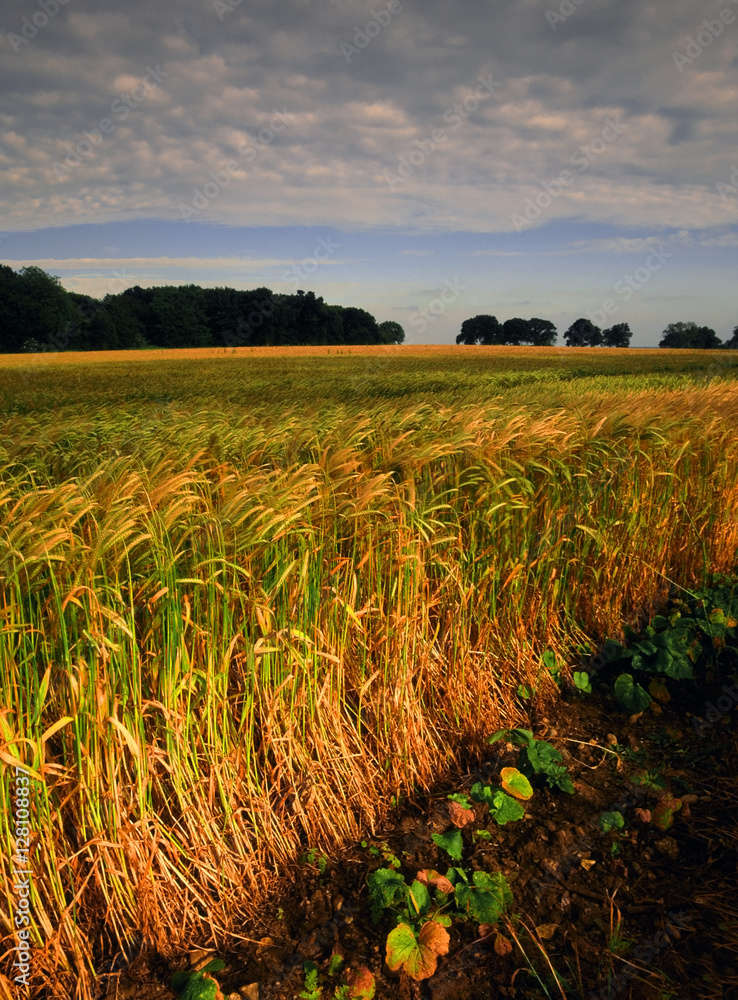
{"points": [[638, 913]]}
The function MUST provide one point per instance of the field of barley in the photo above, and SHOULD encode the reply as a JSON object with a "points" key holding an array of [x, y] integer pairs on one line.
{"points": [[248, 597]]}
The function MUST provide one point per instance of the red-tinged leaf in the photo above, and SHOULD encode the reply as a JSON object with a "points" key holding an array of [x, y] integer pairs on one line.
{"points": [[459, 816], [515, 783], [418, 956], [485, 930], [400, 945], [502, 945], [663, 815], [644, 815], [433, 879], [361, 983]]}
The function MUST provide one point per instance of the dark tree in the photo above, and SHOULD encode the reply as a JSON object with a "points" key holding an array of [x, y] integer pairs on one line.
{"points": [[617, 336], [690, 336], [482, 329], [541, 332], [583, 333], [515, 331], [35, 310], [359, 327], [391, 332], [180, 317], [732, 344]]}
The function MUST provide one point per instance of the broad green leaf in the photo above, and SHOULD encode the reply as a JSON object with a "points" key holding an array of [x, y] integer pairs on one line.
{"points": [[487, 900], [386, 887], [420, 897], [515, 783], [582, 682], [505, 810], [611, 821], [631, 696], [482, 793], [451, 842]]}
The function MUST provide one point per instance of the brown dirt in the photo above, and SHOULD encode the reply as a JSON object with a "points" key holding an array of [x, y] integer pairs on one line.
{"points": [[673, 891]]}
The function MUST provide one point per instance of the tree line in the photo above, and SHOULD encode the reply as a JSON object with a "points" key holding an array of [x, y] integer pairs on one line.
{"points": [[38, 314], [485, 329]]}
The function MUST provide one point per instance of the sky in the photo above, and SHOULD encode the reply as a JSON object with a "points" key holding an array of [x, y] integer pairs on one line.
{"points": [[426, 161]]}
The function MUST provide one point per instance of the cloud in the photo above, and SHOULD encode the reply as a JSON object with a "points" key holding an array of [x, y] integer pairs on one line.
{"points": [[351, 122]]}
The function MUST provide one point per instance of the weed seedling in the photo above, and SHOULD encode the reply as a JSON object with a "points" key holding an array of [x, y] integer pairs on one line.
{"points": [[189, 985]]}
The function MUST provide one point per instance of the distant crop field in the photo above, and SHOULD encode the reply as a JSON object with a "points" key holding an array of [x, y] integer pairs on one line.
{"points": [[248, 598]]}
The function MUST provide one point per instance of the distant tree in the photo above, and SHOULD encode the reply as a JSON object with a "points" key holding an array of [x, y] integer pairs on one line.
{"points": [[515, 332], [706, 339], [180, 317], [359, 327], [34, 307], [391, 332], [732, 344], [690, 336], [617, 336], [129, 329], [482, 329], [583, 333], [541, 332]]}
